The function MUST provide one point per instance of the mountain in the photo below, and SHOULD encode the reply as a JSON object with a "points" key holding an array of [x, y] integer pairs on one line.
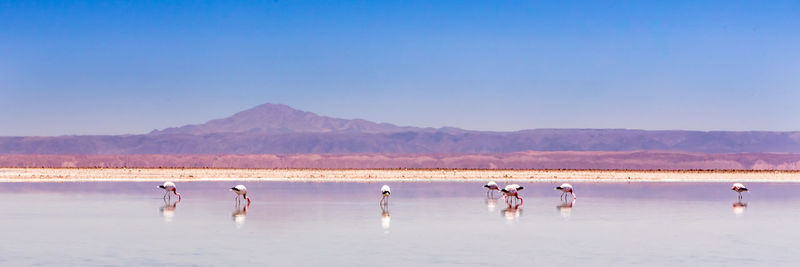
{"points": [[279, 129], [281, 119]]}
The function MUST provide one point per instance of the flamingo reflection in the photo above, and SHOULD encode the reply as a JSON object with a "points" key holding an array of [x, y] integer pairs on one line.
{"points": [[739, 207], [491, 204], [168, 210], [566, 208], [386, 218], [512, 212], [240, 214]]}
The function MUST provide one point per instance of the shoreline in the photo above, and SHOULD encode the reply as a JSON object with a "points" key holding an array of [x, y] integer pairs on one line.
{"points": [[9, 175]]}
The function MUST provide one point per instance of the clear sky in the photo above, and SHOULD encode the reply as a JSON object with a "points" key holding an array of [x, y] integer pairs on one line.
{"points": [[112, 67]]}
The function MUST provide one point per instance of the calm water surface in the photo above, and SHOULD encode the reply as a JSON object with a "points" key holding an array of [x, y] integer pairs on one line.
{"points": [[341, 224]]}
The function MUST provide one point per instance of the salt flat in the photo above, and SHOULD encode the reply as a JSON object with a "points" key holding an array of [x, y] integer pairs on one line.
{"points": [[369, 175]]}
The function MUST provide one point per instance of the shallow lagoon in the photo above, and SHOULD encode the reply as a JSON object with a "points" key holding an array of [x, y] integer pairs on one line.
{"points": [[439, 223]]}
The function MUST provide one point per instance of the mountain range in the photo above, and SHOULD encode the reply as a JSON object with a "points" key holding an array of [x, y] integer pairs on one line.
{"points": [[279, 129]]}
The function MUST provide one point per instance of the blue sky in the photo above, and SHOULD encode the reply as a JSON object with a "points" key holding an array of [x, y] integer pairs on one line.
{"points": [[112, 67]]}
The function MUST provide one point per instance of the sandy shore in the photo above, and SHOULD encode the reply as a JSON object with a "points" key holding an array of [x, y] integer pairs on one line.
{"points": [[372, 175]]}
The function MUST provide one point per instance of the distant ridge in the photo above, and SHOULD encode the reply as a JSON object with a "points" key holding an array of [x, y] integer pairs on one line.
{"points": [[517, 160], [281, 119], [279, 129]]}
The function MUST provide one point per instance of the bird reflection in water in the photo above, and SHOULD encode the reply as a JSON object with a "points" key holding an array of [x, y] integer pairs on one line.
{"points": [[168, 210], [386, 219], [739, 207], [566, 208], [512, 212], [491, 203], [239, 214]]}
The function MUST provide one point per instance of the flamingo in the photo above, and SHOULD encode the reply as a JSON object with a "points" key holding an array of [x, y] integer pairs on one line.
{"points": [[385, 191], [512, 190], [739, 188], [566, 189], [170, 187], [491, 186], [240, 190]]}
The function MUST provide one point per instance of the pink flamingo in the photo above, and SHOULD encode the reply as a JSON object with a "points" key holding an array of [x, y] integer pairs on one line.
{"points": [[240, 190], [170, 187], [491, 186], [385, 191], [512, 190], [566, 189], [739, 188]]}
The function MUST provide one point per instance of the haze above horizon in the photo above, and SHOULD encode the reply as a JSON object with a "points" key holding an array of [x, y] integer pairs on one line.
{"points": [[131, 67]]}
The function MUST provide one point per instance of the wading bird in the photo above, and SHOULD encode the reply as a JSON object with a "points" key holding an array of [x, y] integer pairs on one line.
{"points": [[241, 191], [170, 187], [512, 190], [739, 188], [566, 189], [385, 191], [491, 186]]}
